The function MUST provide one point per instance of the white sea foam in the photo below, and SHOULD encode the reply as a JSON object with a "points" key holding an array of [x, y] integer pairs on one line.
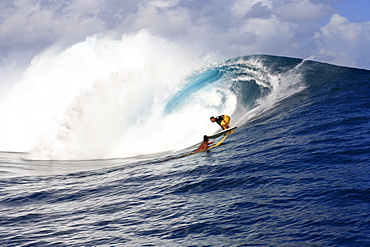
{"points": [[105, 98]]}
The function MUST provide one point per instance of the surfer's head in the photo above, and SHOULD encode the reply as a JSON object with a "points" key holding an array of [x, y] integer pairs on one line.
{"points": [[205, 138], [212, 119]]}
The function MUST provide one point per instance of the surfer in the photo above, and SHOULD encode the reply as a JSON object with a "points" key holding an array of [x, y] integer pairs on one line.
{"points": [[204, 145], [222, 120]]}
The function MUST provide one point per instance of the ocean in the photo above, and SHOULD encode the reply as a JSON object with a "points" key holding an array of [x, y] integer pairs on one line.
{"points": [[99, 160]]}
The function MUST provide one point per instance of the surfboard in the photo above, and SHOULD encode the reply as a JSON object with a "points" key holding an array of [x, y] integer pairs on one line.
{"points": [[222, 132], [218, 134], [223, 139]]}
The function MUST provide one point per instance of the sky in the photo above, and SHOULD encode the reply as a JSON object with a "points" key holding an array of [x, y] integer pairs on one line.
{"points": [[332, 31]]}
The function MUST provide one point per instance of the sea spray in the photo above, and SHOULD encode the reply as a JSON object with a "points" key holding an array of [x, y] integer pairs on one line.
{"points": [[98, 98]]}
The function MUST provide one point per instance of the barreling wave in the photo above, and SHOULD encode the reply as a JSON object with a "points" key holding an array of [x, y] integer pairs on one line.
{"points": [[105, 98], [256, 82]]}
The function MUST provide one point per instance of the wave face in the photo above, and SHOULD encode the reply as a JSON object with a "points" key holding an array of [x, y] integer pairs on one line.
{"points": [[141, 95], [295, 172]]}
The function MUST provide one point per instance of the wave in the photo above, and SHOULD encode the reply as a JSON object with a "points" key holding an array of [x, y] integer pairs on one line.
{"points": [[105, 98]]}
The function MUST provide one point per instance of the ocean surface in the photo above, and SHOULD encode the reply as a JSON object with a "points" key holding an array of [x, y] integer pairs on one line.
{"points": [[105, 172]]}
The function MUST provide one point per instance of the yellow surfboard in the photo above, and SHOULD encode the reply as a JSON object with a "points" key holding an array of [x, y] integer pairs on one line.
{"points": [[223, 139]]}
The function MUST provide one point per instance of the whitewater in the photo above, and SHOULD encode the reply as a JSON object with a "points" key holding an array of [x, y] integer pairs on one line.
{"points": [[105, 98], [94, 137]]}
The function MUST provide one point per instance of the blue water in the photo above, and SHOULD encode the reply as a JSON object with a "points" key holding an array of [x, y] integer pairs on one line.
{"points": [[295, 173]]}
